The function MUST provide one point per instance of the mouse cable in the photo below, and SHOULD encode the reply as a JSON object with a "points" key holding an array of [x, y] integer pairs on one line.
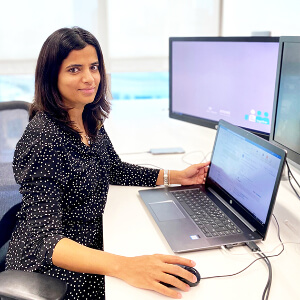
{"points": [[290, 174]]}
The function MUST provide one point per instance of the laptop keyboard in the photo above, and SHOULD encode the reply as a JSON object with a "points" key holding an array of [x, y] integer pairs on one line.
{"points": [[206, 214]]}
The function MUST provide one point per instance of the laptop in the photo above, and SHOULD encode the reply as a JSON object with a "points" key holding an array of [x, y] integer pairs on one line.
{"points": [[235, 204]]}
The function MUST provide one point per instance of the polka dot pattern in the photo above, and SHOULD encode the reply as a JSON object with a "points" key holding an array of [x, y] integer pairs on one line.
{"points": [[64, 185]]}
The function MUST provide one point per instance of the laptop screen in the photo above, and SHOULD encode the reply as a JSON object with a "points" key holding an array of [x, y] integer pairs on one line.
{"points": [[245, 170]]}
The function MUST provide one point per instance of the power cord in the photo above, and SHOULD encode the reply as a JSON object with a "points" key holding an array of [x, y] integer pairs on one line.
{"points": [[254, 248], [265, 258], [269, 282], [291, 175], [228, 247]]}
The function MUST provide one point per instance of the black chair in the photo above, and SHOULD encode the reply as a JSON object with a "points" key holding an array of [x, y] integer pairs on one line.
{"points": [[20, 284], [13, 120]]}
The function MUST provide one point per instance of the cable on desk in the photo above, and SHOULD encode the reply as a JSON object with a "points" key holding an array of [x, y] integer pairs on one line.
{"points": [[237, 273], [278, 234], [254, 248], [290, 174], [269, 282], [227, 247], [189, 153], [265, 258], [130, 153], [154, 166], [204, 159], [266, 252]]}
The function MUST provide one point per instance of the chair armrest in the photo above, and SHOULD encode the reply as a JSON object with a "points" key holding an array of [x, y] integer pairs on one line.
{"points": [[31, 285]]}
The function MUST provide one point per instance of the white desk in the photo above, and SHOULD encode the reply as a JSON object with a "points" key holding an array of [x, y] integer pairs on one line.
{"points": [[137, 126]]}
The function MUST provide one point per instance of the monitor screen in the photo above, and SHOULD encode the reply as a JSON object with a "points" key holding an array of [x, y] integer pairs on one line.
{"points": [[230, 78], [285, 129]]}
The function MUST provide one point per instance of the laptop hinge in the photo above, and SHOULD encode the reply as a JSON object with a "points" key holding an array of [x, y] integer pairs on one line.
{"points": [[232, 210]]}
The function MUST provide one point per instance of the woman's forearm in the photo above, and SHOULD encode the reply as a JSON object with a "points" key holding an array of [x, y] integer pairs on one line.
{"points": [[75, 257], [141, 271]]}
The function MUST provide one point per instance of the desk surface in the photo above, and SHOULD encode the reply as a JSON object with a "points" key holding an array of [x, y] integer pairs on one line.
{"points": [[135, 127]]}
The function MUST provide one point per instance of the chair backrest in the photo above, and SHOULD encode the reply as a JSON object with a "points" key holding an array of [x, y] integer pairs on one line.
{"points": [[14, 117], [18, 284], [10, 203]]}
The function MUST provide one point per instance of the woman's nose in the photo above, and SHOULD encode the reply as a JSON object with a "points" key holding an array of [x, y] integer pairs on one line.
{"points": [[87, 77]]}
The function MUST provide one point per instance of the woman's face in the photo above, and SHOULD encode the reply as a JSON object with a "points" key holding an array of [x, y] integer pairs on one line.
{"points": [[79, 77]]}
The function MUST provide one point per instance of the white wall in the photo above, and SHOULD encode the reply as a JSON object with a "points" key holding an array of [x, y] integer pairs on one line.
{"points": [[133, 34], [25, 25], [242, 17], [139, 30]]}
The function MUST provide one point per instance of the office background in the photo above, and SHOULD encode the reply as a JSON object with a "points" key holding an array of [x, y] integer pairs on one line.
{"points": [[134, 38], [133, 35]]}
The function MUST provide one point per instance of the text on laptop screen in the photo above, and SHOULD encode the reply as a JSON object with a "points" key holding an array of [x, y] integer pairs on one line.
{"points": [[245, 170], [230, 80]]}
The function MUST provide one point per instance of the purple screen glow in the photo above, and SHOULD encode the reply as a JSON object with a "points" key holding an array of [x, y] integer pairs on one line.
{"points": [[230, 80]]}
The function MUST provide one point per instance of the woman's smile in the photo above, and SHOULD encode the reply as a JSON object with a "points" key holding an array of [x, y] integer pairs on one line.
{"points": [[88, 91], [79, 77]]}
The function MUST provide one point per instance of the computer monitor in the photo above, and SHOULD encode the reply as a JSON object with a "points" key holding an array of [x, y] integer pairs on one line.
{"points": [[230, 78], [285, 125]]}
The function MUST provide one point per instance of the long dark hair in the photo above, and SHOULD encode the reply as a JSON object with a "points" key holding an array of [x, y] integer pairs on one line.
{"points": [[47, 97]]}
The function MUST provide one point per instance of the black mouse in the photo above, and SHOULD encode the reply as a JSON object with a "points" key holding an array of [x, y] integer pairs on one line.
{"points": [[190, 269]]}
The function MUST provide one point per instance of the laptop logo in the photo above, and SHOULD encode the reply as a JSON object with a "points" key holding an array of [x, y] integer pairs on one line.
{"points": [[195, 237]]}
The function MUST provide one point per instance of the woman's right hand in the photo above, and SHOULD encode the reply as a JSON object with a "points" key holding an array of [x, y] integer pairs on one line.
{"points": [[148, 271]]}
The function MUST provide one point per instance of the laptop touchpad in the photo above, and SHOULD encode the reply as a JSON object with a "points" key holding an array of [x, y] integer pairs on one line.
{"points": [[166, 211]]}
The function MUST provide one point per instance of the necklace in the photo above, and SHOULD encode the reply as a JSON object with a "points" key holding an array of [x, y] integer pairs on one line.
{"points": [[87, 138]]}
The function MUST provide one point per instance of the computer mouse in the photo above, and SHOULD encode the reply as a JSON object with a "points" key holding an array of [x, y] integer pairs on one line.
{"points": [[190, 269]]}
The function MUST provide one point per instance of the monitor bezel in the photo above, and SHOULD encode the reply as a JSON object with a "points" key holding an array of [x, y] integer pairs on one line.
{"points": [[199, 120], [292, 156]]}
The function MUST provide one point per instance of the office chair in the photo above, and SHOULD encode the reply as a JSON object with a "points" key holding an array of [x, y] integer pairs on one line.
{"points": [[15, 284], [13, 120]]}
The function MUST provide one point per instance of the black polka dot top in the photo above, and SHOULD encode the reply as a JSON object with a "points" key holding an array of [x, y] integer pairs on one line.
{"points": [[64, 185]]}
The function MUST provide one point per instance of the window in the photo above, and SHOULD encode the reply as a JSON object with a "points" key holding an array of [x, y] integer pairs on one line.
{"points": [[145, 85], [133, 35], [16, 87], [139, 31]]}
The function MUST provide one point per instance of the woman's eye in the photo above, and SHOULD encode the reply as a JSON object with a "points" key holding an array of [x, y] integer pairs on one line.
{"points": [[73, 70], [95, 68]]}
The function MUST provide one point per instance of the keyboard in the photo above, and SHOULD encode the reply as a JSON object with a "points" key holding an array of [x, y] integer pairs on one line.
{"points": [[206, 214]]}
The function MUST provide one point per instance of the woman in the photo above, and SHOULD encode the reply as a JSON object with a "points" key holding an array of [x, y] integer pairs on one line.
{"points": [[64, 163]]}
